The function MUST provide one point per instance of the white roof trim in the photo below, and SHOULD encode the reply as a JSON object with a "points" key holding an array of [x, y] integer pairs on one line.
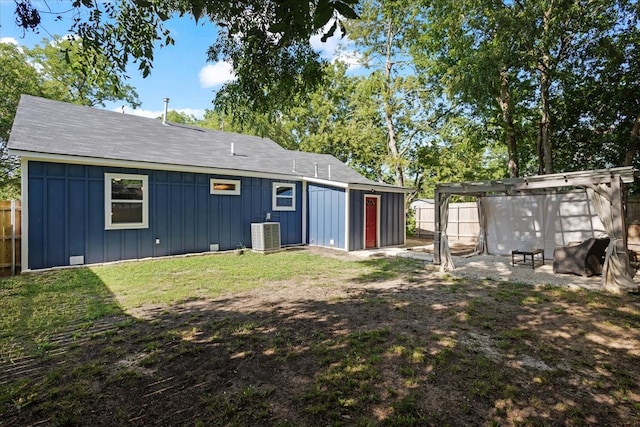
{"points": [[94, 161], [365, 187], [325, 182], [97, 161], [357, 186]]}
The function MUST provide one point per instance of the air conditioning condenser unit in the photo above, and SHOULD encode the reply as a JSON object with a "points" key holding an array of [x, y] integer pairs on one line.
{"points": [[265, 236]]}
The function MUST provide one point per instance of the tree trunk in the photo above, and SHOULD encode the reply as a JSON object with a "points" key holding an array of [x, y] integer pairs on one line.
{"points": [[504, 100], [544, 68], [392, 141], [539, 151], [545, 120], [634, 143]]}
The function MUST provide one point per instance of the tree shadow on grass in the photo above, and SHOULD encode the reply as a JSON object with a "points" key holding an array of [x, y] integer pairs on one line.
{"points": [[421, 353], [390, 268]]}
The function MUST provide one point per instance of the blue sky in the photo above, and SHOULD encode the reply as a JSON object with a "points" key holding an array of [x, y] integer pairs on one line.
{"points": [[180, 72]]}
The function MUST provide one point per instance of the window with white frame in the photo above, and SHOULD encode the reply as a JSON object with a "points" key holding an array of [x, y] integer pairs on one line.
{"points": [[225, 186], [284, 196], [126, 201]]}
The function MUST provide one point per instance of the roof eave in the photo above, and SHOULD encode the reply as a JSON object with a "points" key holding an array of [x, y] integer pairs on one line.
{"points": [[99, 161], [358, 186]]}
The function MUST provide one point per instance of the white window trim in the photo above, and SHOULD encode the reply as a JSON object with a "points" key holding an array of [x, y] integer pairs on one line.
{"points": [[274, 199], [108, 225], [235, 182]]}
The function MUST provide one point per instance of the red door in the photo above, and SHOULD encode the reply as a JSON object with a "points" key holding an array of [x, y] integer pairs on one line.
{"points": [[371, 222]]}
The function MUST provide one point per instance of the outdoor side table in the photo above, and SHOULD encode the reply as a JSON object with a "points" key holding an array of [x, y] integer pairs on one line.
{"points": [[526, 254]]}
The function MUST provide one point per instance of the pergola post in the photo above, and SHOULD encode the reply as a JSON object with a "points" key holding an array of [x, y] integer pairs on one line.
{"points": [[619, 223], [436, 229]]}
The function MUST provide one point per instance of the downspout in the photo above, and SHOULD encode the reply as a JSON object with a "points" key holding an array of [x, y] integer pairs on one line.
{"points": [[305, 201], [347, 218]]}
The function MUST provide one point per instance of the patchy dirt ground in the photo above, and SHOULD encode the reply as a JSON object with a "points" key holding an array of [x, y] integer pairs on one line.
{"points": [[404, 346]]}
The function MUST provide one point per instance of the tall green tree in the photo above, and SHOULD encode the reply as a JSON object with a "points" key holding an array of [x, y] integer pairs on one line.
{"points": [[251, 123], [556, 30], [174, 116], [474, 155], [520, 59], [472, 49], [50, 70], [68, 79], [382, 34], [17, 77], [599, 109], [342, 118]]}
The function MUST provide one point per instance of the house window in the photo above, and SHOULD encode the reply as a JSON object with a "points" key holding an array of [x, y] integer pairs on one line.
{"points": [[225, 186], [284, 196], [126, 201]]}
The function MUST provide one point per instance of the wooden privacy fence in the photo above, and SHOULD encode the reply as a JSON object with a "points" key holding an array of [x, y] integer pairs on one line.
{"points": [[10, 221]]}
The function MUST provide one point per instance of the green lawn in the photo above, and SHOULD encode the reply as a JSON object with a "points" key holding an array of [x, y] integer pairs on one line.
{"points": [[299, 339], [34, 306]]}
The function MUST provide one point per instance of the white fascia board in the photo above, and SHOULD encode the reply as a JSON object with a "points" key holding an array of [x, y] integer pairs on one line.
{"points": [[365, 187], [326, 182], [381, 188], [94, 161]]}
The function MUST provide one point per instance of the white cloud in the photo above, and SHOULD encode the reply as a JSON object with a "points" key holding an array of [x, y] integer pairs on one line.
{"points": [[352, 58], [153, 114], [198, 113], [337, 48], [55, 41], [212, 75], [20, 48], [9, 40]]}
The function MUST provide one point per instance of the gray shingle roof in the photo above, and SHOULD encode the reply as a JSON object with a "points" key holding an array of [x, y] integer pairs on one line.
{"points": [[49, 127]]}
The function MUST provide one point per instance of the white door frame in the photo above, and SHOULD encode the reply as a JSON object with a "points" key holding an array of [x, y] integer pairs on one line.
{"points": [[364, 220]]}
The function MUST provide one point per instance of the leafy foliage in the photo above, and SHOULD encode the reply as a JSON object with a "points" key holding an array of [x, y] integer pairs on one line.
{"points": [[465, 90], [382, 34], [601, 104], [52, 70], [340, 117], [70, 80], [548, 77], [16, 77], [267, 42]]}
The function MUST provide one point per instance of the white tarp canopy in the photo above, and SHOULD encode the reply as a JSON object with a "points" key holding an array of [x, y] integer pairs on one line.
{"points": [[546, 221], [547, 211]]}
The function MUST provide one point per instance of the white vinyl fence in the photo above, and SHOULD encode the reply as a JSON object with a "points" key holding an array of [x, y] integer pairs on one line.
{"points": [[463, 220]]}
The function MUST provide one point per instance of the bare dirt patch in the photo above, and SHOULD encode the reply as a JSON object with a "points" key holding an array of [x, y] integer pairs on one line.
{"points": [[399, 346]]}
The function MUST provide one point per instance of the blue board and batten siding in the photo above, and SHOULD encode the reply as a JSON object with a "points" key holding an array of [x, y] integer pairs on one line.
{"points": [[392, 223], [326, 216], [66, 215]]}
